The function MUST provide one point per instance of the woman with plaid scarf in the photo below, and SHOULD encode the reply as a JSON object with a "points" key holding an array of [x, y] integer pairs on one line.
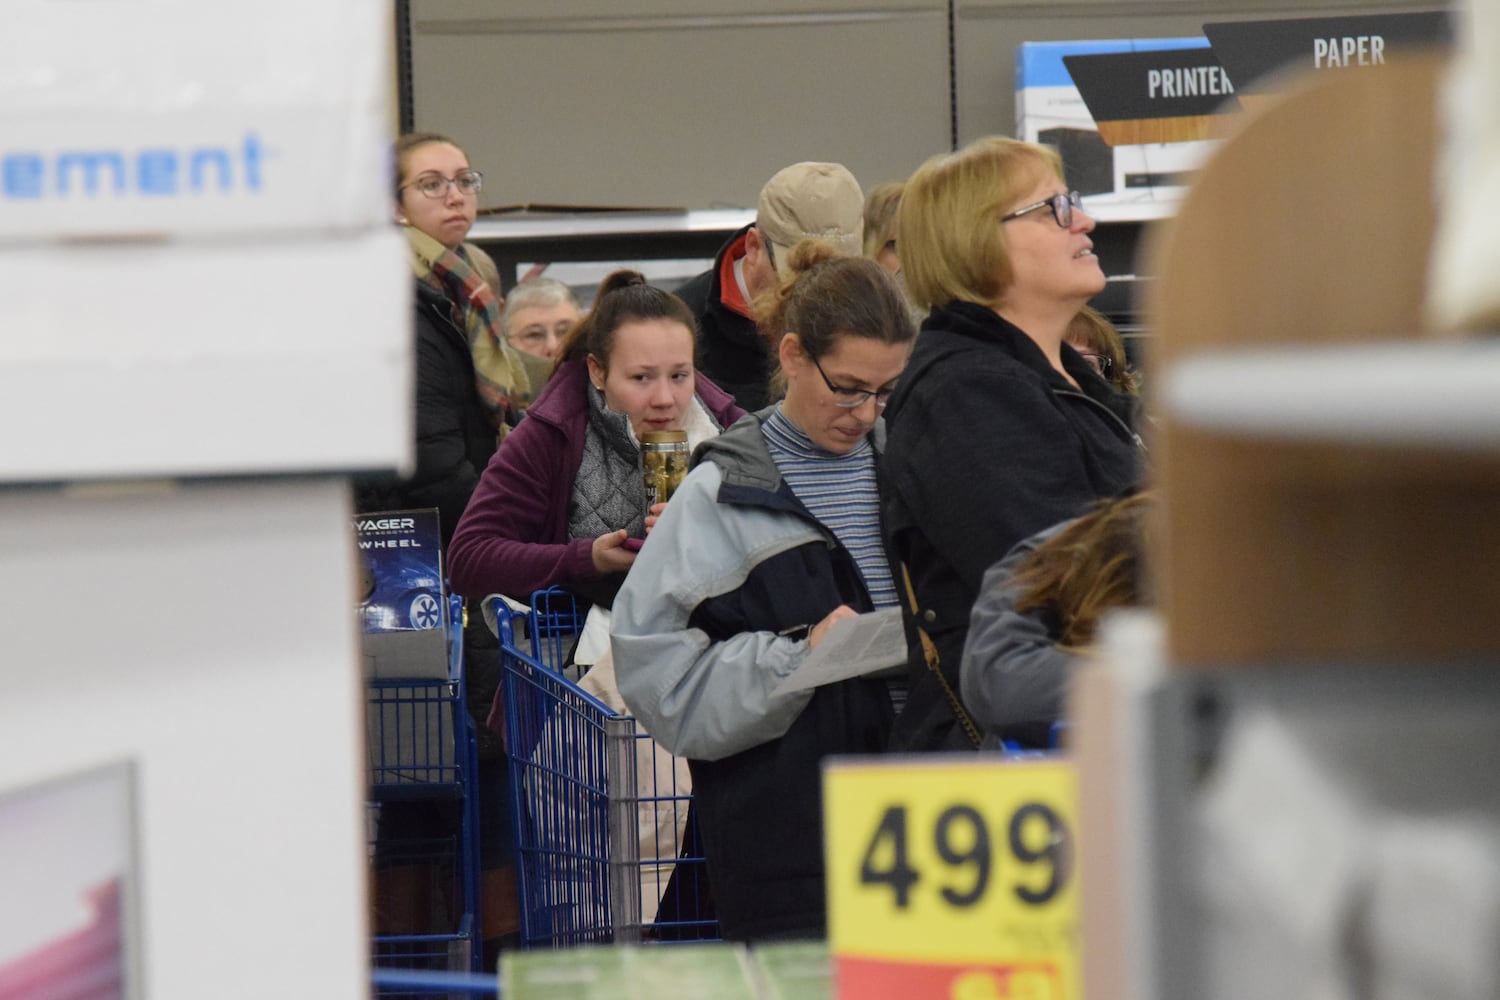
{"points": [[471, 384]]}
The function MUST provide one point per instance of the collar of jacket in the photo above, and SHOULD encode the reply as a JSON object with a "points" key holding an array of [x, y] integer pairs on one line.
{"points": [[436, 304], [612, 427], [427, 295], [563, 402], [725, 250], [980, 325], [749, 472], [732, 249]]}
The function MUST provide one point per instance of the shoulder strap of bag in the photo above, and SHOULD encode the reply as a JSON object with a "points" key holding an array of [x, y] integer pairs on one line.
{"points": [[930, 655]]}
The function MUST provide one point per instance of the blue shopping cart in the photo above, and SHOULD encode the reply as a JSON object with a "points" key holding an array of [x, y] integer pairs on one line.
{"points": [[423, 798], [453, 985], [606, 850], [1055, 737]]}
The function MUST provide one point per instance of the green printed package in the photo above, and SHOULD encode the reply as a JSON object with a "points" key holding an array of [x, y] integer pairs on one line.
{"points": [[799, 970], [689, 972]]}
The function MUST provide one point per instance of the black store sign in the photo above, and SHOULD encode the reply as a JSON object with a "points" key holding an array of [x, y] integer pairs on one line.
{"points": [[1252, 52], [1162, 96]]}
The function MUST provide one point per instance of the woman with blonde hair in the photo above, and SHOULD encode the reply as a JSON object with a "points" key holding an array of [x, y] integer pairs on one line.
{"points": [[880, 246], [998, 428], [773, 536]]}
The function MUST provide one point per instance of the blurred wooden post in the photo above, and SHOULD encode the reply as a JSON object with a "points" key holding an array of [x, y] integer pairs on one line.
{"points": [[1313, 225]]}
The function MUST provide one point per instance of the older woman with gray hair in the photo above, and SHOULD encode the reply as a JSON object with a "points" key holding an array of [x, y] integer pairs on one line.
{"points": [[538, 315]]}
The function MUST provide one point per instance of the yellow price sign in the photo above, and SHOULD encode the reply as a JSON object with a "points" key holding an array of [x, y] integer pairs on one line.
{"points": [[952, 877]]}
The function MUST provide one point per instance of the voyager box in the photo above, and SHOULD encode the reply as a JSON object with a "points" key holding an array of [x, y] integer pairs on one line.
{"points": [[402, 597]]}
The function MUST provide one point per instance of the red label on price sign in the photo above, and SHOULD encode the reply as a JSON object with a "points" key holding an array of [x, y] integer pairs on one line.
{"points": [[953, 877]]}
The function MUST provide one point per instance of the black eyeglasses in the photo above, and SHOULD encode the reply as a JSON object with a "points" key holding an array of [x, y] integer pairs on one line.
{"points": [[765, 241], [1062, 206], [847, 398], [436, 185], [1102, 362]]}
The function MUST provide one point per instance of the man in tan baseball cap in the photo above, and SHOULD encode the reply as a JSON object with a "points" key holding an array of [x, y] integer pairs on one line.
{"points": [[811, 201], [806, 200]]}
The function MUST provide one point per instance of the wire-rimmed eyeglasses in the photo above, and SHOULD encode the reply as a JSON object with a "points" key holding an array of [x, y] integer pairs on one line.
{"points": [[846, 398], [436, 185], [1102, 363], [1062, 206]]}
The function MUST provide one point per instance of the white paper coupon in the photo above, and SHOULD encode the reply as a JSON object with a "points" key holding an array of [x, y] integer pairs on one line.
{"points": [[852, 647]]}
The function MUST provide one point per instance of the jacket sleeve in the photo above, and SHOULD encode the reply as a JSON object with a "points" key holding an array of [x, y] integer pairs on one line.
{"points": [[444, 477], [502, 545], [981, 459], [1013, 672], [701, 698]]}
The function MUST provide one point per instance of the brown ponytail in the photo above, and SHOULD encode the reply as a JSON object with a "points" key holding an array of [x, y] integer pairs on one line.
{"points": [[827, 295]]}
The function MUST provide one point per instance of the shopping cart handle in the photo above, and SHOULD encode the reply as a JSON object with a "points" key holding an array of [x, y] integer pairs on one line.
{"points": [[503, 615], [448, 983]]}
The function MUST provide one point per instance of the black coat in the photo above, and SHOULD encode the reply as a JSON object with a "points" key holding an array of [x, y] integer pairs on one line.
{"points": [[731, 351], [454, 436], [987, 445]]}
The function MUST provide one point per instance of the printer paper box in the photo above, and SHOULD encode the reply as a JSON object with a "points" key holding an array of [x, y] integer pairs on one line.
{"points": [[1121, 182]]}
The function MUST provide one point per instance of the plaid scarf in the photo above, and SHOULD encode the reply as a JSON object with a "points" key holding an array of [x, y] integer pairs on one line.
{"points": [[499, 375]]}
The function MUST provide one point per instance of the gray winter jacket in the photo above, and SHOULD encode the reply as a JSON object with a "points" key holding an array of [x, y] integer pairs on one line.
{"points": [[1014, 676]]}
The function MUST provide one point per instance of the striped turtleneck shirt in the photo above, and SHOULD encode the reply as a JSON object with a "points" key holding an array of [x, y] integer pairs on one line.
{"points": [[841, 492]]}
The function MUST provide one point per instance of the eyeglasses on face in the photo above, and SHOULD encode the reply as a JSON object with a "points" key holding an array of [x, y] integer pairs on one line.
{"points": [[765, 241], [534, 336], [846, 398], [436, 185], [1062, 206], [1102, 362]]}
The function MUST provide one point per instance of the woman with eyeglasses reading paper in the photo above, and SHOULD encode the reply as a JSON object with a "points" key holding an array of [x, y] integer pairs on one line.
{"points": [[999, 428], [773, 536]]}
